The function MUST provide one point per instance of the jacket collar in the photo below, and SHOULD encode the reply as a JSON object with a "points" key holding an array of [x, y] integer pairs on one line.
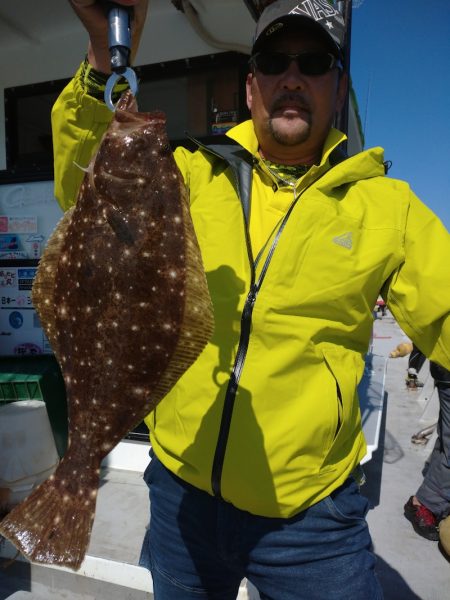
{"points": [[244, 134]]}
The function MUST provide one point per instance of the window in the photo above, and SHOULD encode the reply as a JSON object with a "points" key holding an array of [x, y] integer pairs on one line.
{"points": [[28, 131], [202, 96]]}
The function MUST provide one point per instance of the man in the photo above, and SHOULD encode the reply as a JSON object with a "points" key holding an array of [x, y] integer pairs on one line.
{"points": [[257, 447], [431, 503]]}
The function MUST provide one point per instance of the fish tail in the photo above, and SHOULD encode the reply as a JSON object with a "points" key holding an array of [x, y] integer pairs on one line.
{"points": [[53, 524]]}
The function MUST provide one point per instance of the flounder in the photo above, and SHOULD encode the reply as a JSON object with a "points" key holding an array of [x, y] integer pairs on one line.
{"points": [[122, 295]]}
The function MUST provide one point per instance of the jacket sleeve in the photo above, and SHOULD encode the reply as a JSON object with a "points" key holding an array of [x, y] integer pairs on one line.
{"points": [[419, 289], [78, 124]]}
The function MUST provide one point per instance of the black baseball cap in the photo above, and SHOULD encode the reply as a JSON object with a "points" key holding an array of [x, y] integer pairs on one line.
{"points": [[283, 15]]}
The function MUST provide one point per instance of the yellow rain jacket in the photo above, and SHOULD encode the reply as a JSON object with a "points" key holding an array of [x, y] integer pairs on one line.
{"points": [[268, 416]]}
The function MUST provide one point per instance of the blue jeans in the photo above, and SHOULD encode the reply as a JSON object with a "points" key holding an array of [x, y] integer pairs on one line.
{"points": [[200, 547]]}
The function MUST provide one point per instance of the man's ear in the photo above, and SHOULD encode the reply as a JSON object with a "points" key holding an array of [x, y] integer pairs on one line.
{"points": [[341, 91], [248, 89]]}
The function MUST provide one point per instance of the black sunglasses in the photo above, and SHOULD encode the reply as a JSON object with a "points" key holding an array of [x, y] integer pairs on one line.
{"points": [[308, 63]]}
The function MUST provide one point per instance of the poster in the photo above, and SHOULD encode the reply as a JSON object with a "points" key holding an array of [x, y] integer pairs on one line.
{"points": [[20, 329]]}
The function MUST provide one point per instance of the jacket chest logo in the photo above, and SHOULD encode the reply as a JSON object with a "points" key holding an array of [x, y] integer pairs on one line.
{"points": [[345, 240]]}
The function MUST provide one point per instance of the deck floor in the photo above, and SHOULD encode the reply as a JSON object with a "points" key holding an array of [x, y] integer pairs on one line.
{"points": [[409, 567]]}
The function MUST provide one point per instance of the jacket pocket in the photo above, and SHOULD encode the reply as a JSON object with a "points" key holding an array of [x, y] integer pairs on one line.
{"points": [[342, 365]]}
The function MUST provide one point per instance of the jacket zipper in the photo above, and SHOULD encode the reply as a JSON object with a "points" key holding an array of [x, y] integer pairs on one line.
{"points": [[232, 388], [233, 383]]}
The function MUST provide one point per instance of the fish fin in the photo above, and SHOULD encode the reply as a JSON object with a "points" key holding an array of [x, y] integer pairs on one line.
{"points": [[84, 169], [198, 318], [42, 294], [51, 526]]}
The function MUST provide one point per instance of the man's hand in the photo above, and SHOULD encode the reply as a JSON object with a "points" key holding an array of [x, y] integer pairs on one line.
{"points": [[93, 16]]}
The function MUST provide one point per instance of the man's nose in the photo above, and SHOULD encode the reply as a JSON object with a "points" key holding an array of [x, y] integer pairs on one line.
{"points": [[293, 78]]}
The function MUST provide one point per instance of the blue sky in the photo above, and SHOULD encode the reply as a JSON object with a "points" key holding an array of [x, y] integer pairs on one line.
{"points": [[400, 66]]}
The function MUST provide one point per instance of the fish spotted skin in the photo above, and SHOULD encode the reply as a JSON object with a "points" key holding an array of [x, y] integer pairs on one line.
{"points": [[122, 295]]}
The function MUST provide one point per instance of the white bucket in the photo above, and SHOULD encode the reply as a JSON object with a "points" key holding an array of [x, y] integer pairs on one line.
{"points": [[28, 454]]}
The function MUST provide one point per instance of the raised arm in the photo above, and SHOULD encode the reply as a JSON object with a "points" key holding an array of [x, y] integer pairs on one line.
{"points": [[80, 116], [92, 14]]}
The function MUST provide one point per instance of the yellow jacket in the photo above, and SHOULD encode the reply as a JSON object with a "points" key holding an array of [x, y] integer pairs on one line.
{"points": [[293, 312]]}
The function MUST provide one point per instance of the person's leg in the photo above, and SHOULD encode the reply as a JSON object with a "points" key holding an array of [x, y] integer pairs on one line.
{"points": [[416, 360], [434, 492], [180, 547], [322, 553], [415, 363]]}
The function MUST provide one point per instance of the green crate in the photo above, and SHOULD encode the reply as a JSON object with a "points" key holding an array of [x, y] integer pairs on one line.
{"points": [[37, 378], [19, 386]]}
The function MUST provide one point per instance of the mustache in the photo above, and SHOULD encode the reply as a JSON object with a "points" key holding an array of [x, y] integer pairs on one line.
{"points": [[291, 98]]}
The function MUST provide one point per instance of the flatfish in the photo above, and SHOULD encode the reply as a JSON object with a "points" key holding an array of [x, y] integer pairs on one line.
{"points": [[122, 295]]}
